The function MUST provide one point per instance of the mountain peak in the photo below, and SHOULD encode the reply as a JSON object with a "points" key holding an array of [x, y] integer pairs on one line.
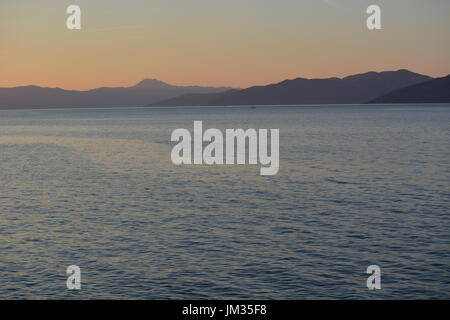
{"points": [[398, 74], [405, 71], [152, 83]]}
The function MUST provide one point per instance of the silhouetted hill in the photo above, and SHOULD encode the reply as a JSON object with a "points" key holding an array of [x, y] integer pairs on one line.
{"points": [[353, 89], [152, 84], [139, 95], [433, 91]]}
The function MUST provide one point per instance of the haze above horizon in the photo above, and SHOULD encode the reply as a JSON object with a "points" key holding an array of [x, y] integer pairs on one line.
{"points": [[227, 43]]}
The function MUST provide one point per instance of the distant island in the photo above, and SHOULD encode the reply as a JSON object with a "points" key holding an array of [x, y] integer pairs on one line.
{"points": [[401, 86]]}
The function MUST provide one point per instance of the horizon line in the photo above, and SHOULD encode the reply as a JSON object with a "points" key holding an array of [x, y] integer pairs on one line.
{"points": [[222, 86]]}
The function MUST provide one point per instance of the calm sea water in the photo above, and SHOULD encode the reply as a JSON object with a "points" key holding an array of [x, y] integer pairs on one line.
{"points": [[358, 185]]}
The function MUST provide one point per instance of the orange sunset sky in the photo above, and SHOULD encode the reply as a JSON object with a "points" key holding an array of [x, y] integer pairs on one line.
{"points": [[235, 43]]}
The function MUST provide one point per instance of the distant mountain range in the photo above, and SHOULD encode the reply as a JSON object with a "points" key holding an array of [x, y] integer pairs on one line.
{"points": [[433, 91], [355, 89], [145, 92], [400, 86]]}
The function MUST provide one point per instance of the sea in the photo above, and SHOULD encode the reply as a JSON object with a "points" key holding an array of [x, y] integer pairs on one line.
{"points": [[358, 185]]}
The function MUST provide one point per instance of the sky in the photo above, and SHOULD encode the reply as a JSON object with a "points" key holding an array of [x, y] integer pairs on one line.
{"points": [[236, 43]]}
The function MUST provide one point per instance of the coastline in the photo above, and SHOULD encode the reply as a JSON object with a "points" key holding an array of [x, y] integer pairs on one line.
{"points": [[230, 106]]}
